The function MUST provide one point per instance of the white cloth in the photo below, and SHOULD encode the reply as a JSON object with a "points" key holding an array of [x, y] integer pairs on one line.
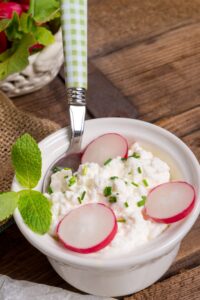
{"points": [[23, 290]]}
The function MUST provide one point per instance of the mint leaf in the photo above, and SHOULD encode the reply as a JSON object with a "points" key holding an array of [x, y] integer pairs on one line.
{"points": [[26, 159], [44, 36], [18, 59], [8, 203], [45, 10], [35, 210]]}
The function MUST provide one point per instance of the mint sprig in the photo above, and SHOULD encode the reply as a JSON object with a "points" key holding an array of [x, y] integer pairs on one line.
{"points": [[27, 161], [34, 207], [35, 210], [8, 203]]}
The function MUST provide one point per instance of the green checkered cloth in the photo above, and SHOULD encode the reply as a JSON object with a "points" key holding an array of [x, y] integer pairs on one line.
{"points": [[74, 27]]}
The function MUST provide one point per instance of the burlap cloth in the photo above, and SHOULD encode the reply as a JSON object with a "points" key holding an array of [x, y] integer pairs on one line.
{"points": [[13, 123]]}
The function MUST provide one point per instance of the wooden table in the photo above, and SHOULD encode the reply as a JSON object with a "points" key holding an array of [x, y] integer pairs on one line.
{"points": [[140, 66]]}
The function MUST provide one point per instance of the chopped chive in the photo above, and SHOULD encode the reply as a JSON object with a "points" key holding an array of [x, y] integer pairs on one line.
{"points": [[66, 176], [135, 184], [130, 173], [121, 220], [142, 202], [123, 158], [114, 177], [56, 169], [80, 199], [84, 170], [83, 195], [112, 199], [49, 190], [139, 170], [72, 181], [107, 161], [107, 191], [135, 155], [145, 182], [67, 169], [126, 182], [126, 204]]}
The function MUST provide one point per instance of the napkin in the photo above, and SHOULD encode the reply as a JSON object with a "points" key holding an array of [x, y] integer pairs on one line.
{"points": [[23, 290]]}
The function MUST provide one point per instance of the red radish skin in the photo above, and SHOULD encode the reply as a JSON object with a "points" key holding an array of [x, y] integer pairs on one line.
{"points": [[102, 244], [8, 8], [36, 47], [178, 216], [93, 154]]}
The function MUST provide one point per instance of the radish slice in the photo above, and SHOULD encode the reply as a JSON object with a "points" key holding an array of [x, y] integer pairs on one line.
{"points": [[170, 202], [88, 228], [105, 147]]}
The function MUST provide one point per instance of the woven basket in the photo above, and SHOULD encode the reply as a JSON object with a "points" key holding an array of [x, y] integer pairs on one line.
{"points": [[43, 67]]}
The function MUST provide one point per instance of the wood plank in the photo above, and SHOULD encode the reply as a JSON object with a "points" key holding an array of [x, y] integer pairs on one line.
{"points": [[114, 24], [121, 66], [182, 124], [184, 286], [104, 99], [49, 102], [155, 77]]}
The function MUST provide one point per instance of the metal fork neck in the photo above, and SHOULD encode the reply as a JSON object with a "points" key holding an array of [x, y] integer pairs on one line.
{"points": [[77, 110]]}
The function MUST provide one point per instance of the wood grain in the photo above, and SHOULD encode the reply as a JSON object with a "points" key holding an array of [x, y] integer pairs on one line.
{"points": [[183, 286], [114, 24]]}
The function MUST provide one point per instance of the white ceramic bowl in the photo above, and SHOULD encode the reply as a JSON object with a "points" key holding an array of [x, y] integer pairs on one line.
{"points": [[129, 274]]}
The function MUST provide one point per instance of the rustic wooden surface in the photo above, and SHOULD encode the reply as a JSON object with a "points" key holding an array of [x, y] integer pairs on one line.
{"points": [[137, 62]]}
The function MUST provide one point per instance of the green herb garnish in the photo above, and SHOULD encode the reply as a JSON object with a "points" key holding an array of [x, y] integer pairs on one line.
{"points": [[72, 181], [84, 170], [8, 203], [49, 190], [145, 182], [126, 204], [67, 169], [123, 158], [135, 155], [56, 169], [107, 161], [121, 220], [139, 170], [114, 177], [80, 199], [27, 161], [112, 199], [142, 202], [34, 207], [135, 184], [107, 191]]}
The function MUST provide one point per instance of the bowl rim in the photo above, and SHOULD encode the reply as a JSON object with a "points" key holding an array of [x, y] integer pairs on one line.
{"points": [[118, 262]]}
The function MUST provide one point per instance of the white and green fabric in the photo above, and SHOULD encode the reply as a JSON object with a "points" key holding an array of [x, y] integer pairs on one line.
{"points": [[74, 26]]}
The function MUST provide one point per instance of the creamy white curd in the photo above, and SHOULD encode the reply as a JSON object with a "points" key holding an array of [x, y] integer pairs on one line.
{"points": [[120, 184]]}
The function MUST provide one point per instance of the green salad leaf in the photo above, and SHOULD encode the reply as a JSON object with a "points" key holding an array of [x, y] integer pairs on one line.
{"points": [[4, 23], [17, 58], [35, 210], [44, 36], [45, 10], [27, 161], [8, 203]]}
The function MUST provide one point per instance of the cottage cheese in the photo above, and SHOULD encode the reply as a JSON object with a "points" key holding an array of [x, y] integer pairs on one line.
{"points": [[129, 181]]}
